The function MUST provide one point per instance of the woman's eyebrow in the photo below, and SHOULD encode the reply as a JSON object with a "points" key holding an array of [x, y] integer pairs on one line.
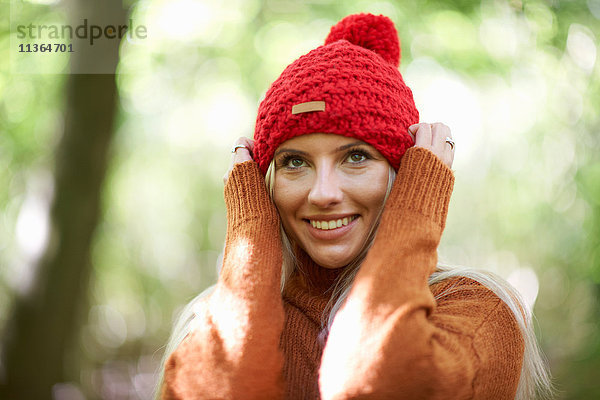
{"points": [[290, 151], [337, 150], [346, 146]]}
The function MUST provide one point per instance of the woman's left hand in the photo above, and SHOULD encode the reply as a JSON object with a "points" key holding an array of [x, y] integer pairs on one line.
{"points": [[433, 137], [240, 155]]}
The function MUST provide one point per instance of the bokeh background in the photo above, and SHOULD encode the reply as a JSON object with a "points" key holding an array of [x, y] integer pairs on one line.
{"points": [[111, 208]]}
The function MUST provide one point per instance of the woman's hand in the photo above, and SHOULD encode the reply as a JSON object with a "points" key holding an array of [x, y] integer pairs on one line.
{"points": [[241, 154], [433, 137]]}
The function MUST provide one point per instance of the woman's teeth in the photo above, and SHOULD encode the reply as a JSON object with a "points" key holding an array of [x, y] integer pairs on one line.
{"points": [[326, 225]]}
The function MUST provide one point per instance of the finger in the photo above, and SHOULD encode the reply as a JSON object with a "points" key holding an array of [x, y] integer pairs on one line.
{"points": [[439, 133], [422, 135], [450, 160], [411, 131], [250, 144], [244, 141], [440, 146], [242, 154]]}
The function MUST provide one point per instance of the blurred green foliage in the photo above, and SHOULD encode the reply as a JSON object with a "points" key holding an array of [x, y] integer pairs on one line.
{"points": [[516, 80]]}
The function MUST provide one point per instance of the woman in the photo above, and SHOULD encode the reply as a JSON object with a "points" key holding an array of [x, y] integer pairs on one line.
{"points": [[329, 286]]}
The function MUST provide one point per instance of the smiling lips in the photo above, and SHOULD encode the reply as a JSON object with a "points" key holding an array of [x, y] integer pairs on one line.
{"points": [[332, 224]]}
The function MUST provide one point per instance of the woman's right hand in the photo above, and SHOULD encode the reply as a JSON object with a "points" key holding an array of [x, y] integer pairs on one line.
{"points": [[240, 155], [433, 138]]}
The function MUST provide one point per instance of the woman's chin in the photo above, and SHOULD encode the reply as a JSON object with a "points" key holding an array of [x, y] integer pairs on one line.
{"points": [[331, 261], [330, 256]]}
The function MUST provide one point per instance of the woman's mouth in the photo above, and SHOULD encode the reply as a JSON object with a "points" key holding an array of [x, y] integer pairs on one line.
{"points": [[332, 224]]}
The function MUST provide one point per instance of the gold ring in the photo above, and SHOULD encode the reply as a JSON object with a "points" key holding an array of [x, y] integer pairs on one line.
{"points": [[239, 146]]}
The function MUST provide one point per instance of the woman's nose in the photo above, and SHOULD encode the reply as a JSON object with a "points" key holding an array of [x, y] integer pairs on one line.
{"points": [[326, 190]]}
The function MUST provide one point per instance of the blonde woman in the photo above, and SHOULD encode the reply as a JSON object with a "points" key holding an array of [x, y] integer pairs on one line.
{"points": [[329, 286]]}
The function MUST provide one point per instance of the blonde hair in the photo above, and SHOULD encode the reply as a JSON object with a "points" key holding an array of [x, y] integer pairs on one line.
{"points": [[534, 381]]}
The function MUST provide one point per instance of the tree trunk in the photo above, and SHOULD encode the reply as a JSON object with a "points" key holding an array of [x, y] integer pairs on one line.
{"points": [[42, 333]]}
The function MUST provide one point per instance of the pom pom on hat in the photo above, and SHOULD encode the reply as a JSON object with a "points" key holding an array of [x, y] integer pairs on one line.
{"points": [[376, 33], [349, 86]]}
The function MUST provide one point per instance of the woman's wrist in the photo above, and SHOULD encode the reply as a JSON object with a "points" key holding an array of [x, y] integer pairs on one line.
{"points": [[423, 184], [246, 196]]}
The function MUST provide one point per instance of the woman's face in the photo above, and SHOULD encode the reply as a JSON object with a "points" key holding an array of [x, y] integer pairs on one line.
{"points": [[329, 190]]}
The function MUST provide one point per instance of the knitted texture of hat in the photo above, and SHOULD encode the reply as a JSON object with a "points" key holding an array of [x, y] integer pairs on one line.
{"points": [[355, 73]]}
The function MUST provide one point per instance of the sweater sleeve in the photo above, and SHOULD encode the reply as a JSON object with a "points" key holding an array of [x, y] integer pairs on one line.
{"points": [[234, 351], [391, 339]]}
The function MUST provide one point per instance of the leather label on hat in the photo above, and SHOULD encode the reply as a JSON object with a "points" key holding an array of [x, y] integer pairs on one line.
{"points": [[308, 107]]}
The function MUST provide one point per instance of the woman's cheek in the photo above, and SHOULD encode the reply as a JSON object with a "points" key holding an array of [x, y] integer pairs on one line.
{"points": [[286, 199]]}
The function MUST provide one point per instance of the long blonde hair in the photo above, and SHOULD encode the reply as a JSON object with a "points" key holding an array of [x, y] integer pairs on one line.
{"points": [[535, 380]]}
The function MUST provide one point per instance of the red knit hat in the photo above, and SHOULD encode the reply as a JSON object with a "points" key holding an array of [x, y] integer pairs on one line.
{"points": [[350, 86]]}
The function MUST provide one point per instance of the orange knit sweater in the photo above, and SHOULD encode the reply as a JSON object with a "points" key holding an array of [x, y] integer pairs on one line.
{"points": [[391, 339]]}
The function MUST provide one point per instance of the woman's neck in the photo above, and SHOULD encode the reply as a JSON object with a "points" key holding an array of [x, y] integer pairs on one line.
{"points": [[314, 278]]}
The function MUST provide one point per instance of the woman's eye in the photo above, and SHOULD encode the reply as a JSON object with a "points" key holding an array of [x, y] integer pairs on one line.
{"points": [[295, 162], [357, 157]]}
